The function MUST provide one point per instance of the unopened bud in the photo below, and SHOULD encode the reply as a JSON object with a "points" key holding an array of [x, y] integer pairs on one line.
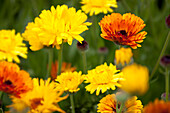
{"points": [[165, 61], [163, 96], [82, 46], [168, 21], [103, 50]]}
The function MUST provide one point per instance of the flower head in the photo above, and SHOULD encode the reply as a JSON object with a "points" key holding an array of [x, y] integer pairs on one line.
{"points": [[66, 67], [98, 6], [108, 105], [55, 26], [69, 81], [103, 77], [137, 78], [123, 29], [158, 106], [11, 46], [13, 80], [123, 56], [43, 98]]}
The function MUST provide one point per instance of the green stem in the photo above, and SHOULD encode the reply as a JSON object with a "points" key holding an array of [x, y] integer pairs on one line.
{"points": [[121, 107], [117, 109], [60, 55], [84, 62], [72, 103], [167, 84], [161, 54], [120, 46], [1, 110], [102, 59], [1, 95], [126, 5], [50, 60], [94, 30]]}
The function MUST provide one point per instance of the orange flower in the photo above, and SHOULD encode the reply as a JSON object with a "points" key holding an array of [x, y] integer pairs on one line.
{"points": [[123, 29], [66, 67], [158, 106], [13, 80]]}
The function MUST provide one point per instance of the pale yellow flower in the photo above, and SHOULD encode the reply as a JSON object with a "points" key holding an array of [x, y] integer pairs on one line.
{"points": [[55, 26], [98, 6], [69, 81], [43, 98], [11, 46], [137, 79], [123, 56], [102, 78]]}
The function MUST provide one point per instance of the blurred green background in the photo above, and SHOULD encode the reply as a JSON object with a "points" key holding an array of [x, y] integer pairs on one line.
{"points": [[15, 14]]}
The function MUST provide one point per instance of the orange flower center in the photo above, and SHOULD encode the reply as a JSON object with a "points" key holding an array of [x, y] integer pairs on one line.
{"points": [[36, 102]]}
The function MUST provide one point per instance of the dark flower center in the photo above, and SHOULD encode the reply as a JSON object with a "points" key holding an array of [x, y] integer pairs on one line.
{"points": [[36, 102], [8, 82], [123, 32]]}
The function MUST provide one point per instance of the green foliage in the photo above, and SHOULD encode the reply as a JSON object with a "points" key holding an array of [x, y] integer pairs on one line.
{"points": [[15, 14]]}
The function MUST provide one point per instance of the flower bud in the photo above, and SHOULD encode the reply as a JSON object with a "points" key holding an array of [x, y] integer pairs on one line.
{"points": [[168, 21], [165, 61], [103, 50], [82, 46], [163, 96]]}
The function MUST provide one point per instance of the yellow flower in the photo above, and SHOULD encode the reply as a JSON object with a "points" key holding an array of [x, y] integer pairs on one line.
{"points": [[43, 98], [108, 105], [137, 77], [69, 81], [103, 77], [133, 105], [13, 80], [123, 56], [158, 106], [55, 26], [98, 6], [66, 67], [11, 46], [123, 29]]}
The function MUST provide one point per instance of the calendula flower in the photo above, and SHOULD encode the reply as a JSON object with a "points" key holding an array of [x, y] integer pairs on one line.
{"points": [[103, 77], [158, 106], [123, 29], [55, 26], [123, 56], [66, 67], [137, 78], [43, 98], [13, 80], [11, 46], [69, 81], [108, 105], [98, 6]]}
